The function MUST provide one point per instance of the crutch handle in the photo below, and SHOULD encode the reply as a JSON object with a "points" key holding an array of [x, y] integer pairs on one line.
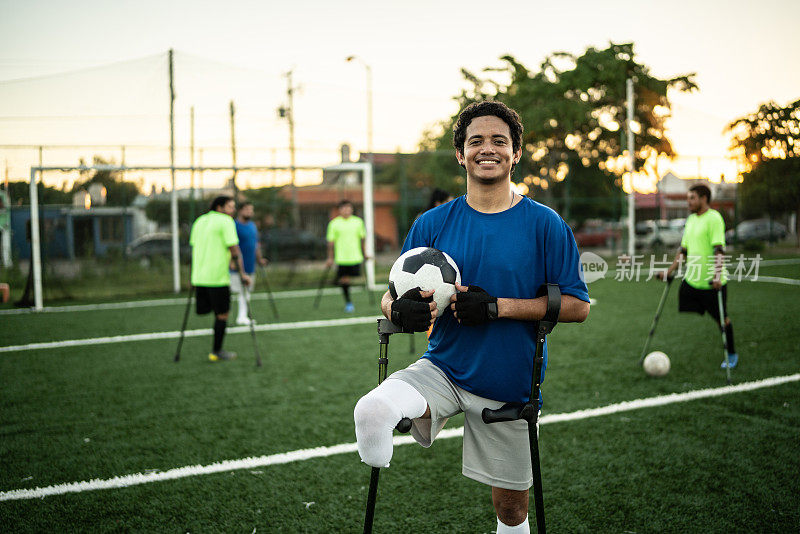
{"points": [[404, 426], [510, 411]]}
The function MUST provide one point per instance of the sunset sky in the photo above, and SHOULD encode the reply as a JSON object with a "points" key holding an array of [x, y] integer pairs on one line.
{"points": [[744, 53]]}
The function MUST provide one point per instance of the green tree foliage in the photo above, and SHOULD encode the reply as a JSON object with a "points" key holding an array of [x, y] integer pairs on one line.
{"points": [[767, 144], [20, 194], [118, 192], [158, 210], [574, 111], [268, 201]]}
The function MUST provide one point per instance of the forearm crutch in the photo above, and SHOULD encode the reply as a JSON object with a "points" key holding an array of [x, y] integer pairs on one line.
{"points": [[269, 292], [183, 325], [252, 323], [655, 319], [724, 337], [385, 329], [322, 281], [529, 411], [366, 283]]}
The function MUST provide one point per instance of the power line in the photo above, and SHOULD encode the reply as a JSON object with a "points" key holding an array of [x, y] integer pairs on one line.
{"points": [[81, 71]]}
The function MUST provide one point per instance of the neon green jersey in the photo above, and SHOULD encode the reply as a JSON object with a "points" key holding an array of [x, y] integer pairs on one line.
{"points": [[346, 235], [212, 235], [701, 234]]}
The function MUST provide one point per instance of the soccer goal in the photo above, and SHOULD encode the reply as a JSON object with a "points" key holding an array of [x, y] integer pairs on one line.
{"points": [[363, 170]]}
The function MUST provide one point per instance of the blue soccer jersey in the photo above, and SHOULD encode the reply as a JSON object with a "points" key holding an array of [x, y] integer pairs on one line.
{"points": [[248, 241], [509, 254]]}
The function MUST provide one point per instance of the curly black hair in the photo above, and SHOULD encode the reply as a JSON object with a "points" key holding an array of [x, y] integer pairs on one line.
{"points": [[483, 109]]}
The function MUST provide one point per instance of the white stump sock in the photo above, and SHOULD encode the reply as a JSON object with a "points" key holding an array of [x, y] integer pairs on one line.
{"points": [[522, 528]]}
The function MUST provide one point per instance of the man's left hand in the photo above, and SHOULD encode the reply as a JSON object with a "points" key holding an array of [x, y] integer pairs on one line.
{"points": [[473, 306], [246, 280], [263, 262]]}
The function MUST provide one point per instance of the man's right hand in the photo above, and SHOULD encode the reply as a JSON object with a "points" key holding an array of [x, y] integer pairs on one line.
{"points": [[665, 276], [246, 280], [329, 263], [414, 311]]}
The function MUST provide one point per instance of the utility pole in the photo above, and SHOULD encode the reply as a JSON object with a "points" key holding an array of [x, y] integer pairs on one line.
{"points": [[631, 167], [200, 162], [288, 113], [5, 224], [122, 161], [173, 198], [191, 161], [233, 152]]}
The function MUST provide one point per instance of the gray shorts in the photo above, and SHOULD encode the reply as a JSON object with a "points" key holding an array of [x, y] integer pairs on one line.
{"points": [[496, 454]]}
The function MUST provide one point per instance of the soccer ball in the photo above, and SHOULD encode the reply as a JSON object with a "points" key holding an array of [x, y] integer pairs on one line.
{"points": [[427, 269], [656, 363]]}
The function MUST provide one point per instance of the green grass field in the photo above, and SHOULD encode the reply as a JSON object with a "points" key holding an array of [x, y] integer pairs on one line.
{"points": [[722, 464]]}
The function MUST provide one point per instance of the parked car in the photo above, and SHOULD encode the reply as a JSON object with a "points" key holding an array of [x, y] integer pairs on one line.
{"points": [[287, 244], [156, 245], [654, 234], [757, 230], [595, 233], [677, 224]]}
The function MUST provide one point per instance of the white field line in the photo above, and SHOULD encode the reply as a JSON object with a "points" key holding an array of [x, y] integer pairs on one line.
{"points": [[344, 448], [189, 333], [297, 293], [776, 279], [784, 261]]}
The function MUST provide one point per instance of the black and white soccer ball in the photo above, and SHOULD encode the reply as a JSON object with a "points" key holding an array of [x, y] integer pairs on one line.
{"points": [[428, 269]]}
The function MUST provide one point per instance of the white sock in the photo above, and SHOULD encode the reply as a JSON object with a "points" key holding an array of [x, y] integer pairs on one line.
{"points": [[522, 528], [378, 412], [242, 308]]}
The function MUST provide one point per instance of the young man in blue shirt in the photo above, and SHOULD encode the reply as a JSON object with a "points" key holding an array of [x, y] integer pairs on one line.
{"points": [[250, 246], [481, 348]]}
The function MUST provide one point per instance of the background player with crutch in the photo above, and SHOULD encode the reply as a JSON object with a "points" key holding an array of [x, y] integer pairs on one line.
{"points": [[705, 283], [345, 235], [214, 243]]}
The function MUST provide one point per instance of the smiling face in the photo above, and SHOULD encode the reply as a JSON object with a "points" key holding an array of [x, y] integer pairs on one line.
{"points": [[488, 154]]}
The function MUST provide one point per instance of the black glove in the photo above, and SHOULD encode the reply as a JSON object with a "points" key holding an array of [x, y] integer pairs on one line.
{"points": [[475, 306], [411, 311]]}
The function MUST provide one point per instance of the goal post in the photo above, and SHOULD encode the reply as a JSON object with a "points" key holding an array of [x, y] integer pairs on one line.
{"points": [[365, 169], [369, 213]]}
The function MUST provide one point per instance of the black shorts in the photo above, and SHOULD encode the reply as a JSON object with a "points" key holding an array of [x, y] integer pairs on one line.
{"points": [[691, 299], [348, 270], [216, 299]]}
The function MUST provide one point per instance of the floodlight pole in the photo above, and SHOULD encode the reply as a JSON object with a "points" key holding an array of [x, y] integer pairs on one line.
{"points": [[173, 198], [292, 166], [368, 69], [631, 167], [233, 151], [36, 258]]}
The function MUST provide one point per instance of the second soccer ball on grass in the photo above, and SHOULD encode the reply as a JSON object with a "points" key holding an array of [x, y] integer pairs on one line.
{"points": [[656, 363], [428, 269]]}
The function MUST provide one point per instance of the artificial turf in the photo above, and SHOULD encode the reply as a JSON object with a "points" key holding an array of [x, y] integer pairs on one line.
{"points": [[725, 464]]}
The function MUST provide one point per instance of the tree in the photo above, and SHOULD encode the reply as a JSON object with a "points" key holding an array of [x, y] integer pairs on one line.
{"points": [[767, 145], [574, 112], [20, 193]]}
